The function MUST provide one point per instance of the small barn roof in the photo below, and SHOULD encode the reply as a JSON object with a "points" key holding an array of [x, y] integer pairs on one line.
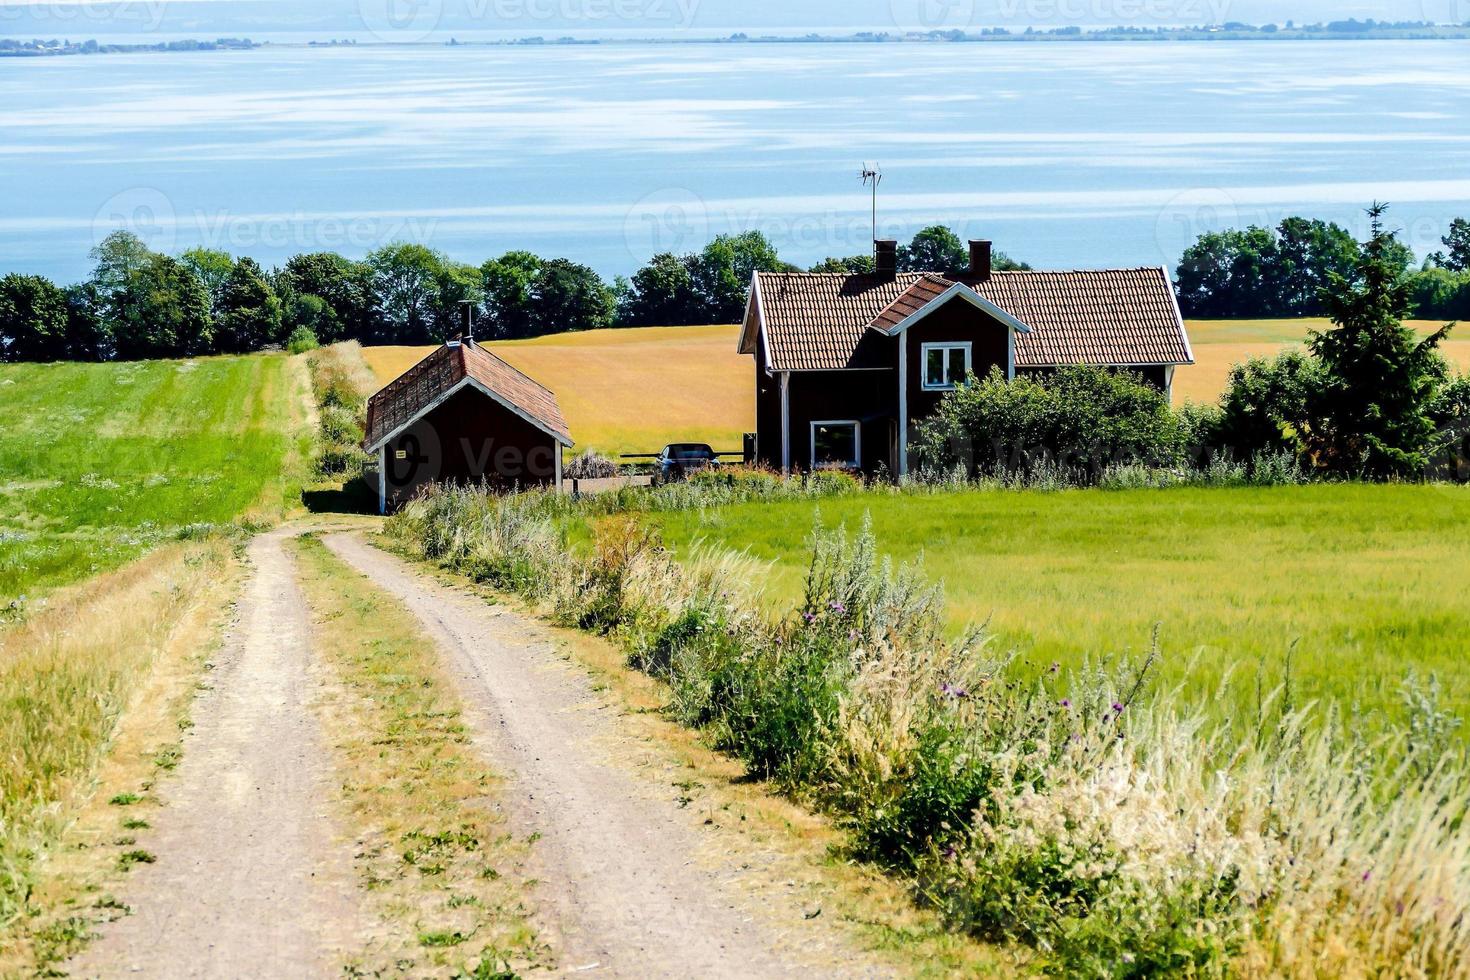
{"points": [[429, 382], [1106, 317]]}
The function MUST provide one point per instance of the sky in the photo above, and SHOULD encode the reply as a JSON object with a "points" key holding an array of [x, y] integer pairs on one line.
{"points": [[660, 17]]}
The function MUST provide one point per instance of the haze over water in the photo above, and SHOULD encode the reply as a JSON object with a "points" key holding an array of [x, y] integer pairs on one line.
{"points": [[1066, 154]]}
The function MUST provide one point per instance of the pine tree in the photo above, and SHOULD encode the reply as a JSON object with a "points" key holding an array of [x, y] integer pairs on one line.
{"points": [[1371, 414]]}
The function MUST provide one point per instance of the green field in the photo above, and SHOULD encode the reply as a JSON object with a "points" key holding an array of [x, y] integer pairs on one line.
{"points": [[99, 462], [1366, 582]]}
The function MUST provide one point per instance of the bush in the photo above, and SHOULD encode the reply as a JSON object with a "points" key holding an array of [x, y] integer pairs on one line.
{"points": [[1077, 421], [301, 340]]}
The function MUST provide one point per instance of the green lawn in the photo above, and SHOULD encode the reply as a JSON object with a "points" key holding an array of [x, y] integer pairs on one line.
{"points": [[1367, 581], [98, 462]]}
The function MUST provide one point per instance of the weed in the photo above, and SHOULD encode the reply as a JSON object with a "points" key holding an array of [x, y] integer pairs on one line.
{"points": [[125, 799], [127, 859]]}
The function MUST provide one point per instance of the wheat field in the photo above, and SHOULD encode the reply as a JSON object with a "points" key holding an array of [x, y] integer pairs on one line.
{"points": [[632, 390]]}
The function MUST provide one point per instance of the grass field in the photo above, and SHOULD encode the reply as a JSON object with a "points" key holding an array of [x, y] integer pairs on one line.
{"points": [[99, 462], [1366, 582], [635, 390]]}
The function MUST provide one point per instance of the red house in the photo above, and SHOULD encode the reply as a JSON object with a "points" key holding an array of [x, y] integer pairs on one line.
{"points": [[845, 364], [462, 415]]}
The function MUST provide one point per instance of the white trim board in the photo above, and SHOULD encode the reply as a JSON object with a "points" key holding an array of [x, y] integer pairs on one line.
{"points": [[857, 440], [483, 389]]}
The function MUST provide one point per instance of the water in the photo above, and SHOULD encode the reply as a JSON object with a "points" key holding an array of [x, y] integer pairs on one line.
{"points": [[1064, 154]]}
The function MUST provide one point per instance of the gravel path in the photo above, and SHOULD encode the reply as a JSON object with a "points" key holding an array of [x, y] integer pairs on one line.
{"points": [[250, 879], [619, 862]]}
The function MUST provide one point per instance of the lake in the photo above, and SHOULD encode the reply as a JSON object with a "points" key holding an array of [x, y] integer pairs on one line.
{"points": [[1066, 154]]}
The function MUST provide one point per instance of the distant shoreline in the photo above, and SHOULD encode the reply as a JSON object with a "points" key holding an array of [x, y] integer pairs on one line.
{"points": [[1351, 30]]}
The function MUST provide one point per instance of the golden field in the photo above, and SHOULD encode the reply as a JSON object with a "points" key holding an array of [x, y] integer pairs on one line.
{"points": [[633, 390]]}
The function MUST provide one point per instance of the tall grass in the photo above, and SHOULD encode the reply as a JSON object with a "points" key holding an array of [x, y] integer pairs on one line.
{"points": [[340, 383], [1108, 825], [66, 677]]}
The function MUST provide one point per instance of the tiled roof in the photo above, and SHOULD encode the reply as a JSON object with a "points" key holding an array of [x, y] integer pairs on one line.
{"points": [[816, 321], [436, 375]]}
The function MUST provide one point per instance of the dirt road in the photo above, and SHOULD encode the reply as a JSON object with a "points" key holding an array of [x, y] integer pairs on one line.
{"points": [[618, 860], [249, 879]]}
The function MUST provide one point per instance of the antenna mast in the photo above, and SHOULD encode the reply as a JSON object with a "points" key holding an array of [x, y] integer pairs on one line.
{"points": [[872, 175]]}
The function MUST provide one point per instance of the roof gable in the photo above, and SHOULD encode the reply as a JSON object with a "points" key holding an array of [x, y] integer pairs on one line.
{"points": [[929, 294], [1110, 317], [446, 370]]}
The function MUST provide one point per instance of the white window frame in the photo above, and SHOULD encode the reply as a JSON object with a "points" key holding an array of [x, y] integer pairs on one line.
{"points": [[924, 350], [857, 441]]}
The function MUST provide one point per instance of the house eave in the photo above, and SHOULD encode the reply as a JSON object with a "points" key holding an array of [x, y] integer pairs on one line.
{"points": [[958, 291]]}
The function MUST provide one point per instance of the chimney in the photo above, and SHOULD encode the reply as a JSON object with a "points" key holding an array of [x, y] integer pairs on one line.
{"points": [[980, 260], [885, 257]]}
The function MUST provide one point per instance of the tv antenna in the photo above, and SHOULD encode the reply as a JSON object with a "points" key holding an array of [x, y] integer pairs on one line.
{"points": [[872, 175]]}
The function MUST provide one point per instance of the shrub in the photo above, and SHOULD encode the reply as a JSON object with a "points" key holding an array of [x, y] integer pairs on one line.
{"points": [[1077, 421], [301, 340]]}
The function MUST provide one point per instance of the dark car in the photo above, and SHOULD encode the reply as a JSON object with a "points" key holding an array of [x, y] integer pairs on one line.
{"points": [[680, 459]]}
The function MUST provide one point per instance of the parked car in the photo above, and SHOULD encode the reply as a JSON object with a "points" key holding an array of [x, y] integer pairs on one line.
{"points": [[680, 459]]}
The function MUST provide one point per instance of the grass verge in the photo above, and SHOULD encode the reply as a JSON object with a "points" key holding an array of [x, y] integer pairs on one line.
{"points": [[439, 868], [94, 698], [804, 858]]}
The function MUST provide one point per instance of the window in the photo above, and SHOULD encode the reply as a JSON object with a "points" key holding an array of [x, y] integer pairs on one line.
{"points": [[836, 444], [945, 365]]}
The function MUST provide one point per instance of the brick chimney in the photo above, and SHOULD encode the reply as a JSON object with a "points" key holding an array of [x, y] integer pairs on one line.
{"points": [[980, 260], [885, 257]]}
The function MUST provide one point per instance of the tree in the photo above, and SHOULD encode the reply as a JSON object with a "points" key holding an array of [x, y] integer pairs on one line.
{"points": [[119, 257], [212, 267], [934, 249], [1265, 406], [1458, 243], [506, 285], [569, 296], [1371, 414], [247, 311], [149, 305], [33, 319], [162, 310], [663, 293], [852, 265], [455, 284], [724, 270], [346, 307], [89, 335], [1307, 252], [406, 277], [938, 249]]}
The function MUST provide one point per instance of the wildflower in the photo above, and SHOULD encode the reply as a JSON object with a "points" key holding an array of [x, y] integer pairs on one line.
{"points": [[839, 608], [1055, 666], [953, 691], [852, 634], [809, 617], [1117, 707], [1367, 875], [1065, 702]]}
